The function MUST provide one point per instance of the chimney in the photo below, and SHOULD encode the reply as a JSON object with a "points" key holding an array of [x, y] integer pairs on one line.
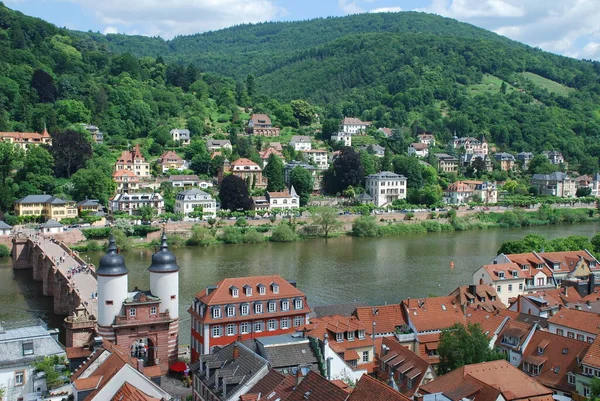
{"points": [[140, 366], [473, 290], [236, 351], [299, 376]]}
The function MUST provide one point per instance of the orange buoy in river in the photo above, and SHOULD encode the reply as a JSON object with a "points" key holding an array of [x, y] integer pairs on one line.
{"points": [[451, 265]]}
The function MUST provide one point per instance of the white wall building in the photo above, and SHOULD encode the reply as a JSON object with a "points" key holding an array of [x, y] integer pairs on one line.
{"points": [[351, 125], [343, 137], [385, 187], [319, 157], [186, 201], [283, 200], [181, 135], [5, 229], [51, 227], [130, 203], [418, 149], [301, 142]]}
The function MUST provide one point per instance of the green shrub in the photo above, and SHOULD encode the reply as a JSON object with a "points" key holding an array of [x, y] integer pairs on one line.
{"points": [[90, 246], [401, 229], [262, 229], [4, 251], [283, 233], [231, 235], [123, 243], [365, 226], [175, 240], [241, 222], [253, 237], [201, 236], [96, 233], [142, 231]]}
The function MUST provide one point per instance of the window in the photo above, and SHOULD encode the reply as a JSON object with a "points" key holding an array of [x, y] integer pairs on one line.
{"points": [[540, 350], [234, 292], [350, 335], [515, 274], [285, 323], [258, 326], [580, 337], [361, 334], [216, 313], [132, 312], [500, 274], [590, 339], [153, 310], [298, 304], [560, 332], [245, 328], [108, 303], [19, 378], [245, 309], [521, 287], [510, 288], [230, 330], [285, 305], [535, 369], [216, 331], [258, 308], [570, 334], [272, 324], [272, 307], [28, 348], [339, 337], [248, 290], [409, 383], [499, 289], [262, 290], [231, 310], [365, 356], [571, 378], [298, 321], [275, 288]]}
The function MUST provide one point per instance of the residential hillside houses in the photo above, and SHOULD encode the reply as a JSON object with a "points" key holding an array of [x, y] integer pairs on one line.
{"points": [[555, 184], [179, 181], [461, 192], [418, 149], [428, 139], [129, 203], [471, 145], [318, 157], [260, 124], [470, 159], [265, 154], [283, 200], [354, 126], [506, 160], [47, 206], [214, 145], [386, 131], [246, 169], [524, 158], [127, 181], [343, 137], [314, 172], [5, 229], [591, 182], [170, 160], [97, 135], [385, 187], [188, 201], [375, 150], [554, 157], [301, 143], [26, 139], [133, 160], [180, 136], [446, 163]]}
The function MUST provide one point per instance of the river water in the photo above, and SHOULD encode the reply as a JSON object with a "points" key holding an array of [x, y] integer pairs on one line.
{"points": [[338, 270]]}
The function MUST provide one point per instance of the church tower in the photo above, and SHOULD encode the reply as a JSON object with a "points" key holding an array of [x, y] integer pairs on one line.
{"points": [[112, 289], [164, 284]]}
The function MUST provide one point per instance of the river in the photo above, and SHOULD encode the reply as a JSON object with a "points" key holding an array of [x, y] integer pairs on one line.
{"points": [[344, 269]]}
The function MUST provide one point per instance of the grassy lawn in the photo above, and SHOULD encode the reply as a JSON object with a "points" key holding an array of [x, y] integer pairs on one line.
{"points": [[489, 84], [549, 85], [363, 140]]}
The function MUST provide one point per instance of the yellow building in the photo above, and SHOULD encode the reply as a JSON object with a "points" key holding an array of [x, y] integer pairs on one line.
{"points": [[47, 206]]}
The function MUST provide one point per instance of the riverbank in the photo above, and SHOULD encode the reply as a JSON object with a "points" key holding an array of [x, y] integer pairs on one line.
{"points": [[290, 230]]}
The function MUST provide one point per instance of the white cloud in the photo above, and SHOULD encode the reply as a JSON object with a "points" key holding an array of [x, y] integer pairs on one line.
{"points": [[558, 26], [350, 7], [110, 29], [169, 18], [386, 10]]}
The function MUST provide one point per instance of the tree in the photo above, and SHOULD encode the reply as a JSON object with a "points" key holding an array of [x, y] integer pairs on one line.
{"points": [[303, 111], [92, 183], [274, 172], [327, 219], [43, 83], [330, 126], [365, 226], [531, 242], [71, 112], [479, 165], [37, 175], [71, 150], [463, 345], [346, 170], [146, 213], [368, 162], [234, 194], [411, 169], [283, 233], [541, 165], [302, 181], [583, 192]]}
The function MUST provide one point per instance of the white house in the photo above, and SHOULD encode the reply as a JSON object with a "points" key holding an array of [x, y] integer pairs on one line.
{"points": [[214, 145], [130, 203], [184, 180], [385, 187], [572, 323], [318, 157], [187, 201], [351, 125], [428, 139], [51, 227], [181, 135], [418, 149], [5, 229], [344, 137], [283, 200], [301, 142], [22, 344]]}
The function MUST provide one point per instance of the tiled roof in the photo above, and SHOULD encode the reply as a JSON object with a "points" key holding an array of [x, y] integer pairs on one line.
{"points": [[244, 162], [509, 268], [427, 342], [4, 226], [345, 309], [485, 381], [458, 187], [300, 139], [260, 119], [315, 387], [354, 121], [435, 313], [486, 292], [334, 324], [394, 354], [419, 146], [576, 319], [515, 329], [88, 383], [562, 354], [129, 392], [124, 173], [269, 151], [386, 318], [268, 383], [281, 194], [217, 142], [370, 389], [170, 157], [568, 260], [490, 322], [184, 177], [592, 357]]}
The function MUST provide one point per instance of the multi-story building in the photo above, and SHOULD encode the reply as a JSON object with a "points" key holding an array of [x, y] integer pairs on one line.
{"points": [[354, 126], [26, 139], [314, 172], [506, 160], [386, 187], [247, 307], [129, 203], [283, 200], [127, 181], [458, 193], [260, 124], [590, 368], [319, 158], [524, 158], [301, 142], [386, 131], [265, 154], [97, 135], [573, 323], [461, 192], [446, 163], [555, 184], [214, 145], [179, 181], [181, 136], [471, 145], [89, 206], [428, 139], [246, 169], [418, 149], [133, 160], [343, 137], [555, 157], [485, 191], [170, 160], [23, 344], [187, 201], [47, 206]]}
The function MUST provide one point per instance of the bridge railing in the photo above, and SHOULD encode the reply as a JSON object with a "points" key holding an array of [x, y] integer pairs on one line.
{"points": [[79, 259]]}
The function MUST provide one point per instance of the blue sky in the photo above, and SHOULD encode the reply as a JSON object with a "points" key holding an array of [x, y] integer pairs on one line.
{"points": [[567, 27]]}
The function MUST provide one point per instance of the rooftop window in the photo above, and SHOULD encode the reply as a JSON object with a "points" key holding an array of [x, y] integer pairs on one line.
{"points": [[27, 348]]}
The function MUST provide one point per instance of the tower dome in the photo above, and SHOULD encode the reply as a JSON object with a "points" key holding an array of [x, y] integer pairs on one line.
{"points": [[112, 264], [164, 261]]}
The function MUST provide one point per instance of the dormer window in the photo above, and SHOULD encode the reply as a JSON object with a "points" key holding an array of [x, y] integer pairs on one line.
{"points": [[350, 336], [361, 334], [285, 305], [515, 273], [245, 309], [339, 337], [234, 292], [230, 310], [262, 290], [272, 307], [216, 312], [500, 274], [297, 303], [540, 350], [27, 348], [556, 266], [248, 290], [541, 265], [524, 267], [275, 288], [258, 308]]}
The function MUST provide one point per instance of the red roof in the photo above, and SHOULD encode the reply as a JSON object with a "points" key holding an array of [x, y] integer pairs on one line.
{"points": [[318, 388], [419, 146], [268, 152], [370, 389], [170, 157], [459, 186], [244, 162], [261, 119], [577, 319], [129, 392], [435, 313], [393, 354], [386, 318]]}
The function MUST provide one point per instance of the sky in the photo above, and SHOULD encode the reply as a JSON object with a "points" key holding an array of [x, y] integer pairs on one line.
{"points": [[567, 27]]}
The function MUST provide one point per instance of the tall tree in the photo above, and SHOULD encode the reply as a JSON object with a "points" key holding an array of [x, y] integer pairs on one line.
{"points": [[411, 169], [233, 193], [70, 149], [326, 218], [347, 170], [43, 83], [302, 182], [92, 183], [37, 175], [303, 111], [541, 165], [274, 172]]}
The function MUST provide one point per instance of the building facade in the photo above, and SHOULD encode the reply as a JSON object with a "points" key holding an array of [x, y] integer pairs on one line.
{"points": [[26, 139], [318, 157], [187, 201], [127, 181], [247, 170], [170, 160], [354, 126], [181, 136], [301, 143], [283, 200], [418, 149], [343, 137], [133, 160], [260, 124], [129, 203], [446, 163], [555, 184], [386, 187], [47, 206]]}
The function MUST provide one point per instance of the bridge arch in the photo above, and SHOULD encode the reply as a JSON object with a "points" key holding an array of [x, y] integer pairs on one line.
{"points": [[48, 284]]}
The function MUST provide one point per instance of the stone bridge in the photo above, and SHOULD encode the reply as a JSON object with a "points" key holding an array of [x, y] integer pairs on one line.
{"points": [[52, 263]]}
